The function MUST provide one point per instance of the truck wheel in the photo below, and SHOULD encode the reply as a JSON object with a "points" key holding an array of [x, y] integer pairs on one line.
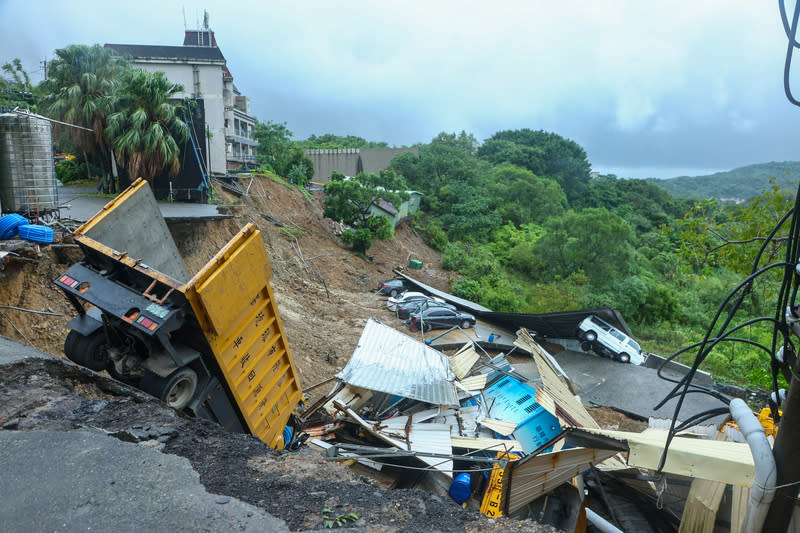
{"points": [[176, 390], [586, 346], [624, 358], [88, 351], [590, 336]]}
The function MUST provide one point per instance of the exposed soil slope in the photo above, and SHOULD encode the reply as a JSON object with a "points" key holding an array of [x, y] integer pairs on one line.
{"points": [[323, 321]]}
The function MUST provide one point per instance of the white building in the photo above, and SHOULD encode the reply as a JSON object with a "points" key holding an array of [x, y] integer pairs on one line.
{"points": [[201, 69]]}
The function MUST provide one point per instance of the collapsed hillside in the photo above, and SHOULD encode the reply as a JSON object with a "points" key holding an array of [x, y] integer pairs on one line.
{"points": [[322, 289], [323, 294]]}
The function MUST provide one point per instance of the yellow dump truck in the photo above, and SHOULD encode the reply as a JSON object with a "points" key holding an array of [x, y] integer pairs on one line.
{"points": [[211, 344]]}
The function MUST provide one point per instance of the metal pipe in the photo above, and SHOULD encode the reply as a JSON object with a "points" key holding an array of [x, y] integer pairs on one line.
{"points": [[763, 489], [601, 523]]}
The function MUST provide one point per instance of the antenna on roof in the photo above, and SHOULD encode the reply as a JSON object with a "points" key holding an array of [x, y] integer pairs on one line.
{"points": [[205, 19], [185, 27]]}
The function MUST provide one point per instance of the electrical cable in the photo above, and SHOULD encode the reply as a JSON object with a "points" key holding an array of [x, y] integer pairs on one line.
{"points": [[787, 293]]}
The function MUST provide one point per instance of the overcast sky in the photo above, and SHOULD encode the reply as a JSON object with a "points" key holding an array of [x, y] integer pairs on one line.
{"points": [[646, 88]]}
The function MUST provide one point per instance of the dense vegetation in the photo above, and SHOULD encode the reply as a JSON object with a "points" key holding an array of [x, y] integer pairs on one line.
{"points": [[128, 113], [518, 216], [733, 185], [529, 230]]}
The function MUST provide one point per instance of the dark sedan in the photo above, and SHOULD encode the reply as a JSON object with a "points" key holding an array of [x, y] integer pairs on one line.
{"points": [[393, 287], [405, 309], [440, 318]]}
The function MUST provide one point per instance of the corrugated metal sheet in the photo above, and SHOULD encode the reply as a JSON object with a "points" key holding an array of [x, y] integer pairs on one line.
{"points": [[474, 383], [499, 426], [488, 445], [536, 475], [555, 393], [463, 361], [424, 437], [389, 361]]}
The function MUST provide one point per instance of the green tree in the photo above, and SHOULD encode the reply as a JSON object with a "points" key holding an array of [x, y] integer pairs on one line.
{"points": [[714, 235], [331, 141], [545, 154], [594, 241], [350, 201], [81, 89], [16, 89], [283, 155], [145, 132], [521, 197]]}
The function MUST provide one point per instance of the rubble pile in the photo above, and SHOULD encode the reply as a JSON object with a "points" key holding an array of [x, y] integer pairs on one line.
{"points": [[470, 427]]}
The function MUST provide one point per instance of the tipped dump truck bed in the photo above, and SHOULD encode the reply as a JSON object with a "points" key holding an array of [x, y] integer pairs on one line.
{"points": [[150, 324]]}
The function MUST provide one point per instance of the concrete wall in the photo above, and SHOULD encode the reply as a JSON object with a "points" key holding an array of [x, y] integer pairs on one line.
{"points": [[351, 161]]}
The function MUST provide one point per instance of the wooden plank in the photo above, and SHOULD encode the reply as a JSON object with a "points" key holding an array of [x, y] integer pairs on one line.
{"points": [[727, 462], [702, 503]]}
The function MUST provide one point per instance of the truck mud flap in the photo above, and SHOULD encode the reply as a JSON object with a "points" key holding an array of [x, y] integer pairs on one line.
{"points": [[87, 323]]}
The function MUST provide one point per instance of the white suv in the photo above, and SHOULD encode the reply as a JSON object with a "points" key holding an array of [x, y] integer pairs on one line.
{"points": [[606, 340]]}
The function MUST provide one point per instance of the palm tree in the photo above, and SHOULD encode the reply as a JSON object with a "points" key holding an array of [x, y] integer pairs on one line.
{"points": [[81, 88], [146, 131]]}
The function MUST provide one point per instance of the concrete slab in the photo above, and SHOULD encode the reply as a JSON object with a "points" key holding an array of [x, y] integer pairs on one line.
{"points": [[625, 387], [135, 226], [85, 480], [81, 208]]}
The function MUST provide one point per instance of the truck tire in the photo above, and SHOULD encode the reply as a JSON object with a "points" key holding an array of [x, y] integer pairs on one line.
{"points": [[624, 358], [590, 336], [176, 390], [88, 351], [586, 346]]}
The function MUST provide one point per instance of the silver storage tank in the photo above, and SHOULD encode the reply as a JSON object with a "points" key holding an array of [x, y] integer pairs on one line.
{"points": [[27, 172]]}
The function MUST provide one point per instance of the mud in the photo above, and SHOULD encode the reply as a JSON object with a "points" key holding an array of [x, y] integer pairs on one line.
{"points": [[323, 295]]}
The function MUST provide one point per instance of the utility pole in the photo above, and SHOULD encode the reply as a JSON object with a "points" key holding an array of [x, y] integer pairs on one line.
{"points": [[786, 451], [43, 63]]}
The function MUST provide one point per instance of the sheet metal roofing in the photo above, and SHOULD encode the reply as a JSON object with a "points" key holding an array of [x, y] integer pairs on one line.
{"points": [[386, 360], [472, 307]]}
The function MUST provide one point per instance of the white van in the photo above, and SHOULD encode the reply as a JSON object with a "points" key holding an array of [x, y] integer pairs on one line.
{"points": [[604, 339]]}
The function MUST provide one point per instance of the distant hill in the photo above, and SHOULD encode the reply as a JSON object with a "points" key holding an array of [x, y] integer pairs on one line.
{"points": [[737, 184]]}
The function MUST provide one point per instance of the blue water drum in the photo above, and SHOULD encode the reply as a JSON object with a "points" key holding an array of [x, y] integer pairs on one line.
{"points": [[460, 489]]}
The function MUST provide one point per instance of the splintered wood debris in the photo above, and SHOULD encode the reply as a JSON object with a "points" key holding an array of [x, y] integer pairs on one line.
{"points": [[472, 413]]}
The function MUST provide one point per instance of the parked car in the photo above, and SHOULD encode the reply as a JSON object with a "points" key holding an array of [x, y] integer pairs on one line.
{"points": [[393, 287], [408, 296], [604, 339], [440, 318], [404, 310]]}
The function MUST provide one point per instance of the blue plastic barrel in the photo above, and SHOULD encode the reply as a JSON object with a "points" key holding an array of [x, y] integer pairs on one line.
{"points": [[460, 489], [9, 225], [35, 233]]}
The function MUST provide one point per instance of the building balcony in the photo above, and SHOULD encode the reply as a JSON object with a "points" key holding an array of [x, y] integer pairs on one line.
{"points": [[238, 156]]}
